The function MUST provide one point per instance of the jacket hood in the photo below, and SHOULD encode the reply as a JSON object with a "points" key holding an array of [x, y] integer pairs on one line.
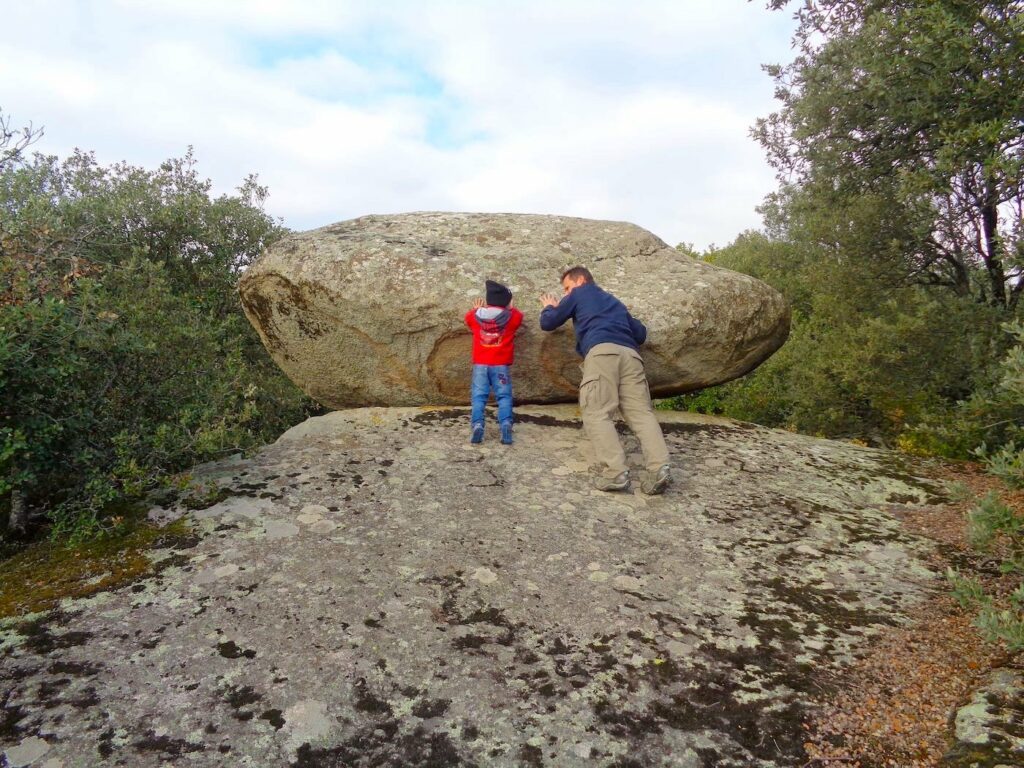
{"points": [[497, 315]]}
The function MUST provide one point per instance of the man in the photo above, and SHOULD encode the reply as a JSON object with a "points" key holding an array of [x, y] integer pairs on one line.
{"points": [[609, 338]]}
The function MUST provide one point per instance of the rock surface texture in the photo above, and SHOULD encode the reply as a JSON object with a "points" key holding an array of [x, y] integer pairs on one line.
{"points": [[987, 730], [370, 311], [374, 591]]}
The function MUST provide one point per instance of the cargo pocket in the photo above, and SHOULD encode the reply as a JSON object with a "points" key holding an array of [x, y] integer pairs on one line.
{"points": [[598, 396], [589, 392], [634, 384]]}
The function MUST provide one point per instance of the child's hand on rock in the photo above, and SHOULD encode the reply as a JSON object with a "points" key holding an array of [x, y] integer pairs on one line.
{"points": [[477, 303]]}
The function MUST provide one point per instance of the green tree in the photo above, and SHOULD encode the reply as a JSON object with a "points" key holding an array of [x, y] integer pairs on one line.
{"points": [[914, 108], [867, 357], [896, 230], [124, 353]]}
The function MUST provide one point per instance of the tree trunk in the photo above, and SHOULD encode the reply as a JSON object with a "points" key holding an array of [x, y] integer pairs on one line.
{"points": [[961, 277], [18, 521], [993, 262]]}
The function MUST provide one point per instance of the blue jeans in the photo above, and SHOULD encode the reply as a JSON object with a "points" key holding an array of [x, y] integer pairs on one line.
{"points": [[486, 378]]}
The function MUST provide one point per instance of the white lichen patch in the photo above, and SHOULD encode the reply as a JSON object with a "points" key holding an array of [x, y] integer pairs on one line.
{"points": [[274, 530], [484, 575], [26, 752], [306, 722]]}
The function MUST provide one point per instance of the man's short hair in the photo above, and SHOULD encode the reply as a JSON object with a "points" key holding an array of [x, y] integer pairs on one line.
{"points": [[574, 273]]}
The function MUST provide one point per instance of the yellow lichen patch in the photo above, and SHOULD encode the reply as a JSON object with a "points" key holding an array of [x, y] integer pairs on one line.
{"points": [[42, 574]]}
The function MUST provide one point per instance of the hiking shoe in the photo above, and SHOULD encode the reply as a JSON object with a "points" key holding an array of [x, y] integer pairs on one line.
{"points": [[655, 482], [506, 433], [618, 483], [477, 435]]}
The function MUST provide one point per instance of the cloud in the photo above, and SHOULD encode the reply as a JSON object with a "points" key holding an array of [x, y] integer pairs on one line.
{"points": [[634, 111]]}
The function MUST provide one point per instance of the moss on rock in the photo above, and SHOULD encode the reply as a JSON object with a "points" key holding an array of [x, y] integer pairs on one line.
{"points": [[41, 575]]}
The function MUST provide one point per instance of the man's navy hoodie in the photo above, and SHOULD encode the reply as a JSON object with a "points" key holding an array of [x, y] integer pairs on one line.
{"points": [[597, 317]]}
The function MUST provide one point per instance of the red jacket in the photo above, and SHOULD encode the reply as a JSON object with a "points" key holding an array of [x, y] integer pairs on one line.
{"points": [[493, 334]]}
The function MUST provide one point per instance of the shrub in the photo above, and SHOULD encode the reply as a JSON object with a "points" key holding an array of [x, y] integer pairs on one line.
{"points": [[125, 357], [993, 526], [868, 357]]}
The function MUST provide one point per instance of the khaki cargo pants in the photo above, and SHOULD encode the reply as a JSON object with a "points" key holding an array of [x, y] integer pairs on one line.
{"points": [[614, 378]]}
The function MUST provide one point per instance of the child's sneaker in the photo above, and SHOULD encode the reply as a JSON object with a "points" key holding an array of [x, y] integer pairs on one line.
{"points": [[477, 435], [506, 433]]}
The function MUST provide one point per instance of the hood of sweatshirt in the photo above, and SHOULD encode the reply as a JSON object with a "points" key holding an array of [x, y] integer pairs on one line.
{"points": [[495, 317]]}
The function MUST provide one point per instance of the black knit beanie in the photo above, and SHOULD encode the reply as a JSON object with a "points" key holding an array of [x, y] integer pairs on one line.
{"points": [[497, 294]]}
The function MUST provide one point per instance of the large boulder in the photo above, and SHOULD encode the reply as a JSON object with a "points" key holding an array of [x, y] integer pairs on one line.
{"points": [[370, 311]]}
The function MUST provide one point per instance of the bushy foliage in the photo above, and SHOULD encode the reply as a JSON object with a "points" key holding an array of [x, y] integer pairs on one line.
{"points": [[867, 358], [1002, 409], [992, 527], [124, 354], [896, 231]]}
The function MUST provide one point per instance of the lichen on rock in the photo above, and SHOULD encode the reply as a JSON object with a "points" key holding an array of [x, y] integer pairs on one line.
{"points": [[482, 605]]}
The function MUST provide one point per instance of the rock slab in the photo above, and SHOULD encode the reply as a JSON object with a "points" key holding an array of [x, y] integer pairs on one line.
{"points": [[370, 311], [443, 604]]}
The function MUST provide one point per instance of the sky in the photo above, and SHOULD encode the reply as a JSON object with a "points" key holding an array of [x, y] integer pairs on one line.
{"points": [[629, 110]]}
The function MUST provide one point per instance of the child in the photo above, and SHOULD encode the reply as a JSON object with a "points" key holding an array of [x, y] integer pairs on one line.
{"points": [[494, 325]]}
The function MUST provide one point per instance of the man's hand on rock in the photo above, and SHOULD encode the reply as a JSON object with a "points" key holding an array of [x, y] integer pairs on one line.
{"points": [[477, 303], [549, 300]]}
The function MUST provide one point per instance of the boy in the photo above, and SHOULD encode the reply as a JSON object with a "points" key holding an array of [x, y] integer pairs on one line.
{"points": [[494, 324]]}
